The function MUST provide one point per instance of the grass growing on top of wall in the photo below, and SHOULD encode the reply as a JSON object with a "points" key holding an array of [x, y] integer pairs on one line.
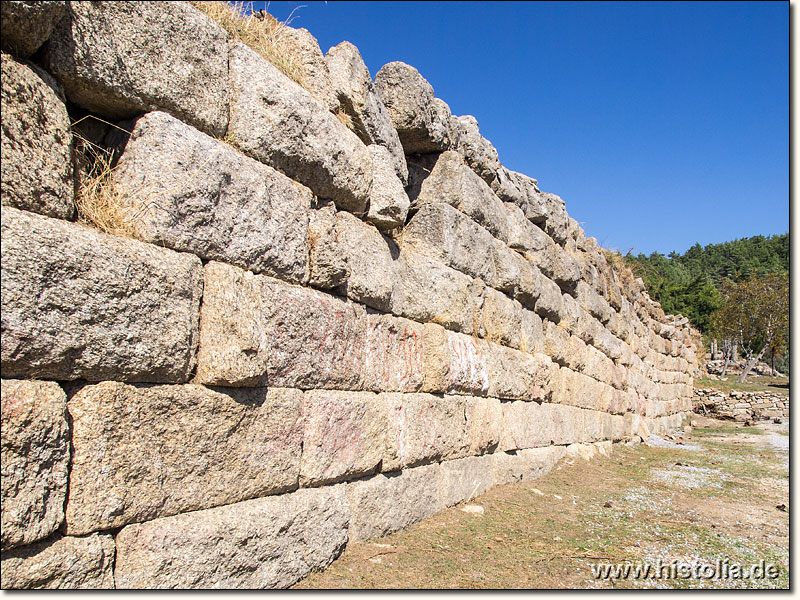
{"points": [[262, 32]]}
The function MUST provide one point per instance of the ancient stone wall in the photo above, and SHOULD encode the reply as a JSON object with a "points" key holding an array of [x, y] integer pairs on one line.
{"points": [[318, 316], [740, 406]]}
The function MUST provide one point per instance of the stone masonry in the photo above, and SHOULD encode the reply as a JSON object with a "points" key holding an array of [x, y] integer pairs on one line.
{"points": [[314, 330]]}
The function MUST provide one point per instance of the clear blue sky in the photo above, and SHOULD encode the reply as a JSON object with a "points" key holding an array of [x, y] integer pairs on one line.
{"points": [[660, 124]]}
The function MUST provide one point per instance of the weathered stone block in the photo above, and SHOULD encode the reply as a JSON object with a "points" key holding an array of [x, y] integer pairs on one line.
{"points": [[143, 452], [454, 362], [484, 420], [120, 59], [276, 121], [370, 259], [549, 303], [264, 543], [393, 354], [528, 286], [531, 332], [35, 139], [327, 265], [426, 290], [192, 193], [508, 266], [557, 343], [502, 319], [390, 502], [524, 426], [358, 100], [516, 375], [80, 304], [35, 459], [523, 465], [451, 181], [308, 57], [256, 330], [463, 479], [345, 436], [478, 152], [422, 124], [423, 428], [28, 25], [443, 233], [388, 202], [61, 563]]}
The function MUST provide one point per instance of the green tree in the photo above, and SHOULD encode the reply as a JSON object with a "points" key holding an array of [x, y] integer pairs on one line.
{"points": [[754, 313]]}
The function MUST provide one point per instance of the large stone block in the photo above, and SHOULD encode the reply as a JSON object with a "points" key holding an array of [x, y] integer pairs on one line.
{"points": [[565, 423], [531, 333], [25, 26], [327, 265], [424, 428], [557, 344], [143, 452], [393, 354], [524, 426], [61, 563], [187, 191], [256, 330], [389, 502], [308, 58], [502, 319], [388, 202], [523, 465], [358, 100], [426, 290], [370, 260], [529, 285], [454, 362], [443, 233], [276, 121], [515, 375], [264, 543], [549, 303], [120, 59], [81, 304], [36, 139], [463, 479], [345, 436], [421, 123], [484, 420], [35, 459], [451, 181], [477, 151], [508, 268]]}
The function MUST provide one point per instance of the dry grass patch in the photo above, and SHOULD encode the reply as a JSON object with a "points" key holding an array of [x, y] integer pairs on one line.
{"points": [[96, 200], [262, 32]]}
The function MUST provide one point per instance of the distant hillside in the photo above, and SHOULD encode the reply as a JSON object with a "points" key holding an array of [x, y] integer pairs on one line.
{"points": [[688, 283]]}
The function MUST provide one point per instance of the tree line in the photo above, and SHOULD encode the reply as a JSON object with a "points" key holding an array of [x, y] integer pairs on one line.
{"points": [[736, 291]]}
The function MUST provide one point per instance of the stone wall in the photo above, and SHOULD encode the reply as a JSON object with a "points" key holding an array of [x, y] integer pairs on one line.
{"points": [[740, 406], [317, 321]]}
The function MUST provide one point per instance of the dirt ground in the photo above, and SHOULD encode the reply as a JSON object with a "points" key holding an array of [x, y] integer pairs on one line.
{"points": [[693, 516]]}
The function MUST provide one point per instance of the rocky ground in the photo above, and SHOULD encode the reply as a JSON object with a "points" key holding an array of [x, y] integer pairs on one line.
{"points": [[718, 493]]}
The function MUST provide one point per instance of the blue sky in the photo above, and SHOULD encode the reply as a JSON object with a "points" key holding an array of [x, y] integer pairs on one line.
{"points": [[660, 124]]}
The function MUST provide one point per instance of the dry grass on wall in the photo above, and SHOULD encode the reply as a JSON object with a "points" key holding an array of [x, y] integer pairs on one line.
{"points": [[97, 202], [625, 276], [263, 33]]}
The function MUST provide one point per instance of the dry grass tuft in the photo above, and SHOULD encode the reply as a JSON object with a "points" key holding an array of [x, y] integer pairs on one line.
{"points": [[97, 202], [261, 32]]}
